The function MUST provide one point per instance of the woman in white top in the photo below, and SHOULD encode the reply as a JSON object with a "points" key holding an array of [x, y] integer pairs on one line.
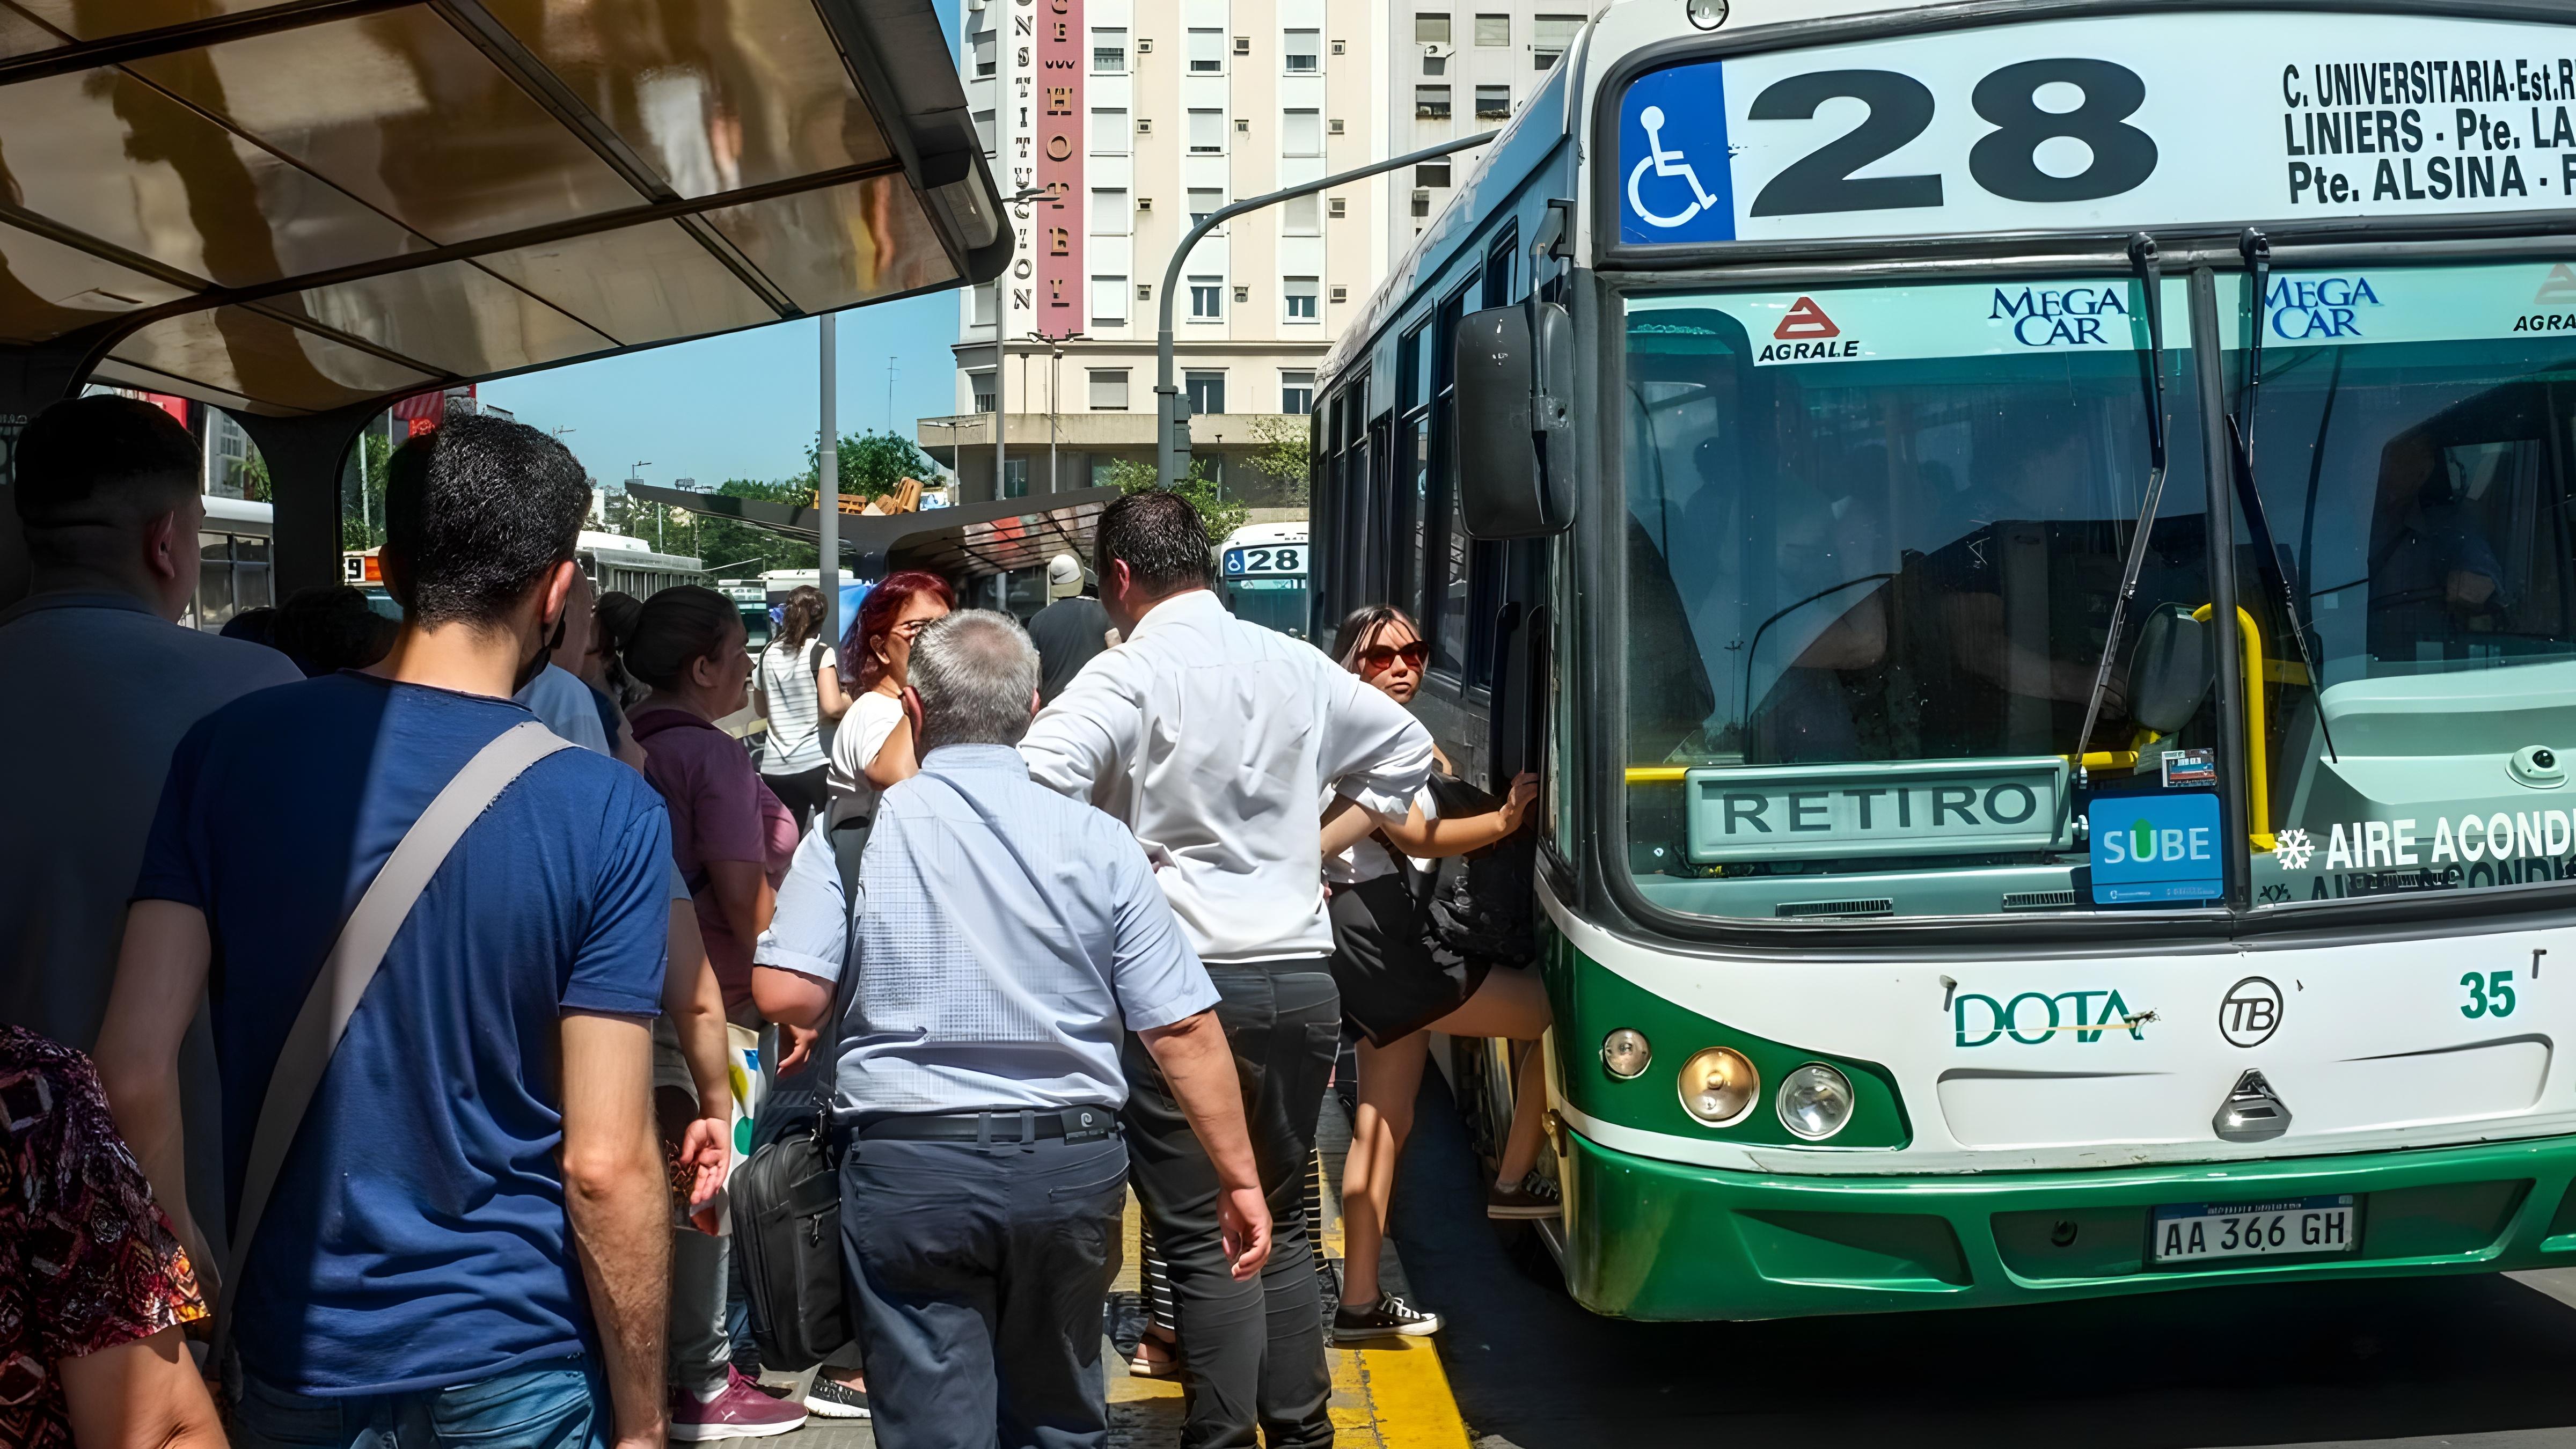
{"points": [[873, 748], [798, 688], [1398, 983]]}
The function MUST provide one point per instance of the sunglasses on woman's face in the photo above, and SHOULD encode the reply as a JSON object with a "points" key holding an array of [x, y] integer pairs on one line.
{"points": [[1379, 659]]}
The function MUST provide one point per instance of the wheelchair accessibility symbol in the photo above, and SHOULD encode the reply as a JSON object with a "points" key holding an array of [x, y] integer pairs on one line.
{"points": [[1667, 165]]}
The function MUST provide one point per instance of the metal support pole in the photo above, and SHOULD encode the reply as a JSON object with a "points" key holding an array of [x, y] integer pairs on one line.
{"points": [[1171, 419], [827, 490]]}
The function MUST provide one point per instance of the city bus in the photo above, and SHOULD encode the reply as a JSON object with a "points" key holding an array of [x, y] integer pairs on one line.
{"points": [[1261, 570], [2033, 550], [614, 562]]}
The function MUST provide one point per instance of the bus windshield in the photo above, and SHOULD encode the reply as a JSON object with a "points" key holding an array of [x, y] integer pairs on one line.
{"points": [[1873, 541], [2414, 450]]}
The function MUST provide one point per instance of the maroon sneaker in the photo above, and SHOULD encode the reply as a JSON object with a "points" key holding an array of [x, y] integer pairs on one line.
{"points": [[740, 1411]]}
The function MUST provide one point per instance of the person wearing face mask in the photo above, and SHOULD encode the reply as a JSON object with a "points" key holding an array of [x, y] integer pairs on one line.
{"points": [[472, 1219], [874, 748]]}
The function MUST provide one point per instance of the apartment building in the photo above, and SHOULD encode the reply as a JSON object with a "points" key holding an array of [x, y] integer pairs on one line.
{"points": [[1130, 120], [1454, 70]]}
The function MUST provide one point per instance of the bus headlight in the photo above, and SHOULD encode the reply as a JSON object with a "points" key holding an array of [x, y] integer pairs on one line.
{"points": [[1624, 1054], [1719, 1086], [1815, 1101]]}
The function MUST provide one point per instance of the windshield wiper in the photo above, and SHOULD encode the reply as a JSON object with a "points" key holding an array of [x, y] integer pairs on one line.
{"points": [[2149, 265], [2257, 249]]}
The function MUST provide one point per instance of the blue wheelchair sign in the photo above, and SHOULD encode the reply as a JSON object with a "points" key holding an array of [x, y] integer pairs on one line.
{"points": [[1675, 183]]}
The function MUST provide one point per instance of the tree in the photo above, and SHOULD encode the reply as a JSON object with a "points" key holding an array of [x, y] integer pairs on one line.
{"points": [[362, 524], [1286, 455], [743, 550], [872, 465], [1221, 515]]}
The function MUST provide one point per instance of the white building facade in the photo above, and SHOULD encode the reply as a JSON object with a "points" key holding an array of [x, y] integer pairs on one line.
{"points": [[1456, 70], [1134, 118]]}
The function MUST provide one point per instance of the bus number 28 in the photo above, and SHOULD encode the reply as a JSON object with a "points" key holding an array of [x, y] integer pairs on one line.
{"points": [[1271, 561], [2005, 162]]}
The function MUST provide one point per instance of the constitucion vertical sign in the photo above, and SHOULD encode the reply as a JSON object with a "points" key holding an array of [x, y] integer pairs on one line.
{"points": [[1058, 135]]}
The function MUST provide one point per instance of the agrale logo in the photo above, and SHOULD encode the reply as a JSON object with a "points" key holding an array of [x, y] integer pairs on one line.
{"points": [[1806, 334], [2035, 1017]]}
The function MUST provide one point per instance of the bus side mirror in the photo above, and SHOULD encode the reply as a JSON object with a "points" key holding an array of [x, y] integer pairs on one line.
{"points": [[2172, 671], [1515, 429]]}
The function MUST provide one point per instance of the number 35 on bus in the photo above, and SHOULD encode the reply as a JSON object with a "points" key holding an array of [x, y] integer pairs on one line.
{"points": [[2034, 553]]}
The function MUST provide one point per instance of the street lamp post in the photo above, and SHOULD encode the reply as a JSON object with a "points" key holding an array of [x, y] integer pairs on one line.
{"points": [[1171, 418]]}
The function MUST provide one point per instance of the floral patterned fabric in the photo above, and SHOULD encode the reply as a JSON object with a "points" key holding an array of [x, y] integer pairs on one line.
{"points": [[87, 1261]]}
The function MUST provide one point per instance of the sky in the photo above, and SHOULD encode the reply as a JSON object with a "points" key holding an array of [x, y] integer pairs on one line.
{"points": [[747, 404]]}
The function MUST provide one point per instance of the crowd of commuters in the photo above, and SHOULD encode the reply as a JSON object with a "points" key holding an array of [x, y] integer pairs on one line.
{"points": [[418, 988]]}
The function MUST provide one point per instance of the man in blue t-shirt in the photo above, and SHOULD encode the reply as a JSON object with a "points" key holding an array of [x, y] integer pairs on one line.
{"points": [[470, 1229]]}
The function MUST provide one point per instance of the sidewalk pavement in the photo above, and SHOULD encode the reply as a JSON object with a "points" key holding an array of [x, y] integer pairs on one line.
{"points": [[1391, 1394]]}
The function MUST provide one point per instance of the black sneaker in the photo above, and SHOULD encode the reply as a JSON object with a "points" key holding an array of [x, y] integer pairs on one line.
{"points": [[832, 1399], [1389, 1316], [1534, 1197]]}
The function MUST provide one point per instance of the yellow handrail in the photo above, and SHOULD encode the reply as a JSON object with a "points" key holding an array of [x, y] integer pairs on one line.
{"points": [[2258, 807]]}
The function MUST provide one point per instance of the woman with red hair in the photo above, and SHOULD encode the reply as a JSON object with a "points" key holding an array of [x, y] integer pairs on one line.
{"points": [[874, 747]]}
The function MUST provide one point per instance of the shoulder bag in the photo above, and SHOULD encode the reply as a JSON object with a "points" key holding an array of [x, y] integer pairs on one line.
{"points": [[787, 1197]]}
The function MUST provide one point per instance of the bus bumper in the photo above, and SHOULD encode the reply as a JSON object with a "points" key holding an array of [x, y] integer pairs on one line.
{"points": [[1661, 1240]]}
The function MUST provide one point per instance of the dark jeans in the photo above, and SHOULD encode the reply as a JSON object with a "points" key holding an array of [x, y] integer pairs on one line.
{"points": [[802, 793], [980, 1275], [548, 1408], [1255, 1350]]}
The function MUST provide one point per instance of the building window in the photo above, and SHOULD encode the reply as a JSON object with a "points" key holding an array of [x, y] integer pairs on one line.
{"points": [[1207, 298], [984, 299], [1430, 29], [1549, 37], [1207, 392], [1301, 216], [984, 131], [1493, 30], [1207, 133], [1296, 393], [1108, 303], [1301, 51], [1421, 203], [1109, 389], [1207, 52], [982, 385], [1429, 173], [984, 54], [1431, 103], [1015, 477], [1108, 131], [1299, 294], [1109, 213], [1204, 201], [1435, 65], [1493, 103], [1301, 133], [1109, 52]]}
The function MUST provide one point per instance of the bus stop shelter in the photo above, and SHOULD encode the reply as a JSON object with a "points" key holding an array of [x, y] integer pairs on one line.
{"points": [[304, 212], [969, 542]]}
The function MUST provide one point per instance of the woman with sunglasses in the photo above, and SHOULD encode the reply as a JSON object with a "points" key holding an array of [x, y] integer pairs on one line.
{"points": [[873, 748], [1398, 983]]}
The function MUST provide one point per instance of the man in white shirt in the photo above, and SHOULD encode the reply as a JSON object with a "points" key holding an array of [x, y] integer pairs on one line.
{"points": [[1216, 742]]}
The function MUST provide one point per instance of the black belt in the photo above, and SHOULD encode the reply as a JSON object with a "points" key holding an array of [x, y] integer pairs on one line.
{"points": [[1073, 1124]]}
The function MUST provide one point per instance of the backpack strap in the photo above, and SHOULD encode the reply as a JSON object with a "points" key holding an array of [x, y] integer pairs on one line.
{"points": [[351, 966]]}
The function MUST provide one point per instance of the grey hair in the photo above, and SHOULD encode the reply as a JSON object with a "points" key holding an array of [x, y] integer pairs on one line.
{"points": [[977, 675]]}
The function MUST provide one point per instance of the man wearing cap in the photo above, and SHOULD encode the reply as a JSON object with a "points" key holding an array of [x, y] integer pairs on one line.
{"points": [[1070, 629]]}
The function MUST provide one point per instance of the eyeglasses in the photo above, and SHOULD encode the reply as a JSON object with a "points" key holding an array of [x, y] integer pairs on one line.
{"points": [[1381, 658]]}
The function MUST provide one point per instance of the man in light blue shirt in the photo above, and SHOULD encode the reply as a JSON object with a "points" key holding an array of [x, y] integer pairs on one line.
{"points": [[1007, 939]]}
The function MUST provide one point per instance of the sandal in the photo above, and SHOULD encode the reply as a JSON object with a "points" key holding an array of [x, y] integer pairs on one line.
{"points": [[1164, 1363]]}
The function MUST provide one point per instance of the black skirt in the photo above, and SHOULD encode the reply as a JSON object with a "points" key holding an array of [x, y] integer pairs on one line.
{"points": [[1394, 981]]}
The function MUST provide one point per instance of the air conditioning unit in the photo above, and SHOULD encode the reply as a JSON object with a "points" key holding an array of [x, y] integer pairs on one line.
{"points": [[1144, 45], [1144, 125], [1242, 126], [1336, 206], [1341, 294], [1144, 203], [1337, 47], [1243, 294], [1334, 126], [1243, 45], [1144, 291]]}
